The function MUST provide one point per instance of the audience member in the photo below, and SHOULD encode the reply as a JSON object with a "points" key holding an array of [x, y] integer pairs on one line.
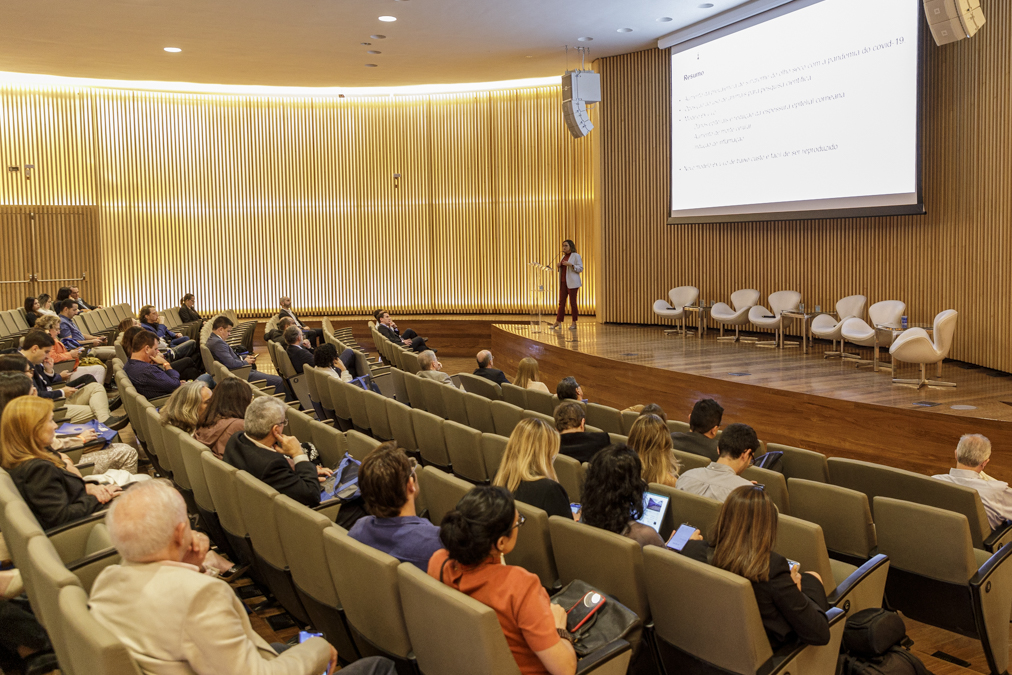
{"points": [[75, 295], [224, 414], [186, 366], [72, 337], [701, 439], [973, 453], [737, 446], [328, 361], [569, 388], [122, 328], [46, 306], [527, 470], [298, 349], [60, 354], [32, 307], [486, 370], [86, 399], [389, 488], [574, 439], [187, 313], [218, 345], [432, 368], [476, 536], [311, 334], [651, 440], [13, 384], [266, 453], [527, 375], [654, 409], [179, 344], [151, 375], [23, 641], [172, 618], [613, 495], [185, 406], [277, 333], [55, 492], [388, 329], [791, 604]]}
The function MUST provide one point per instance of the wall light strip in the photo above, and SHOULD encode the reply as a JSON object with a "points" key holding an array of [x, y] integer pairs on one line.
{"points": [[33, 80]]}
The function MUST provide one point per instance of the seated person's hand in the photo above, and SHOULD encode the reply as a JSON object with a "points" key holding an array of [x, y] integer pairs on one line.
{"points": [[289, 446], [69, 391], [306, 344], [696, 536], [796, 575], [66, 375], [323, 473], [406, 341], [332, 666], [559, 614], [103, 493], [87, 437], [199, 546], [76, 353]]}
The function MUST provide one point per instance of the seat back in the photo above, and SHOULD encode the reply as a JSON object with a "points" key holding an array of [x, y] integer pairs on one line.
{"points": [[442, 491], [50, 577], [376, 408], [801, 463], [744, 298], [690, 460], [784, 300], [360, 445], [450, 632], [339, 397], [411, 363], [172, 439], [330, 443], [694, 601], [190, 451], [480, 386], [533, 550], [775, 484], [355, 396], [416, 395], [92, 648], [925, 540], [682, 296], [547, 419], [300, 425], [802, 541], [400, 388], [851, 306], [876, 480], [944, 327], [454, 405], [373, 608], [429, 434], [571, 475], [479, 412], [887, 312], [843, 514], [463, 445], [685, 507], [432, 395], [505, 416], [20, 527], [629, 418], [493, 447], [605, 418], [401, 426], [541, 402], [616, 566], [220, 477], [515, 395], [301, 531]]}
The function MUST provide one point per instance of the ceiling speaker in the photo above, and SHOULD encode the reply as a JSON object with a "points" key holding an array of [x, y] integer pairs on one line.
{"points": [[953, 20], [579, 87]]}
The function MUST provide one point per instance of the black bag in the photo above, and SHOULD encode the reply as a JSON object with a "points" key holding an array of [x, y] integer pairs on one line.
{"points": [[611, 622], [772, 460], [896, 661], [875, 643]]}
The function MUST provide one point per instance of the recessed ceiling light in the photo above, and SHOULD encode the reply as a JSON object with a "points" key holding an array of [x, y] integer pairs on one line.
{"points": [[624, 30], [365, 44], [585, 39], [706, 5], [173, 50], [371, 65], [664, 19], [373, 51], [378, 37], [394, 18], [529, 56]]}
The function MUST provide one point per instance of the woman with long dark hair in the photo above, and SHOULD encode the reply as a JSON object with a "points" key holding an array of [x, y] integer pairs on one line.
{"points": [[477, 534], [570, 269], [224, 414], [613, 495]]}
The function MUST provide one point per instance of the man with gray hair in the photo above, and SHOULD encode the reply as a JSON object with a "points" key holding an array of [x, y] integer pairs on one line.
{"points": [[173, 619], [432, 368], [266, 453], [972, 454]]}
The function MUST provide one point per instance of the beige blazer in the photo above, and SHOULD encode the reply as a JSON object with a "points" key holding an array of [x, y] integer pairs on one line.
{"points": [[177, 621], [437, 375]]}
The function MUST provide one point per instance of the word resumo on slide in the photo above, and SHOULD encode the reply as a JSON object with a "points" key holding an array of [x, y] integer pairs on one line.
{"points": [[814, 109]]}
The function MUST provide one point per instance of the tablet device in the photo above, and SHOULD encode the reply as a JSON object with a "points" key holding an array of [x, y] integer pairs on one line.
{"points": [[654, 506], [681, 537]]}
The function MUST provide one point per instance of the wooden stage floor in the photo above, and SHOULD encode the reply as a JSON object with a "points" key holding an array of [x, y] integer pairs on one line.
{"points": [[800, 399]]}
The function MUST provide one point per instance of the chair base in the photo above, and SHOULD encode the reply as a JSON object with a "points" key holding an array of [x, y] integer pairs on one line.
{"points": [[923, 381]]}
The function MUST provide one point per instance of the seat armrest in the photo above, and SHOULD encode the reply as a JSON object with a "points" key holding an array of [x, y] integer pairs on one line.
{"points": [[857, 576], [600, 657], [158, 402], [90, 559], [242, 372], [835, 615], [991, 565], [1000, 536], [329, 508], [86, 468], [52, 532]]}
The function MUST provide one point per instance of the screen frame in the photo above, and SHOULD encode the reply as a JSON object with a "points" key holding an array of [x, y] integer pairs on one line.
{"points": [[916, 209]]}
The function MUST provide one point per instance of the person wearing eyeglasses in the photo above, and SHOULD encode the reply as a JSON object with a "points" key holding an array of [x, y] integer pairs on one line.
{"points": [[389, 487], [477, 535], [263, 450], [737, 447]]}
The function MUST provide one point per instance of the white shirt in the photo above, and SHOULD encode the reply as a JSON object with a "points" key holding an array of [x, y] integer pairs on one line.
{"points": [[995, 494], [715, 481]]}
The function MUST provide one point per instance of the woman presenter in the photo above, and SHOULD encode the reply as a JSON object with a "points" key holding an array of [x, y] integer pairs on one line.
{"points": [[570, 268]]}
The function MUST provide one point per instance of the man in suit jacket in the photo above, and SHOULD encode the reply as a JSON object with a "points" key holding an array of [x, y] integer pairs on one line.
{"points": [[298, 349], [432, 368], [75, 295], [217, 344], [574, 439], [277, 334], [181, 345], [264, 451], [486, 370], [703, 425], [173, 619], [311, 334], [388, 329]]}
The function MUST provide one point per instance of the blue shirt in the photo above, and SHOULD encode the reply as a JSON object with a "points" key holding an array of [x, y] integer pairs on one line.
{"points": [[70, 335], [160, 330], [150, 380], [407, 538]]}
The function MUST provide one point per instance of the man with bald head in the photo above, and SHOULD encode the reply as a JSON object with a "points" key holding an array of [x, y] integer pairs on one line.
{"points": [[173, 619], [486, 370]]}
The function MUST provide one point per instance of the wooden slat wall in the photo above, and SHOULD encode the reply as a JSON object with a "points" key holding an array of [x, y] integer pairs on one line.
{"points": [[958, 256], [240, 199]]}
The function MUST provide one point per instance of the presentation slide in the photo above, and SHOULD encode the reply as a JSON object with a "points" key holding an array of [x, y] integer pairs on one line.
{"points": [[814, 109]]}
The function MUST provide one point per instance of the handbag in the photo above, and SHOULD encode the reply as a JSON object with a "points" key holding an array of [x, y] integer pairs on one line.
{"points": [[611, 622]]}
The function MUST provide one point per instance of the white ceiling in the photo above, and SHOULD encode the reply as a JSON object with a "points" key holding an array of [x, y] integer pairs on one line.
{"points": [[316, 43]]}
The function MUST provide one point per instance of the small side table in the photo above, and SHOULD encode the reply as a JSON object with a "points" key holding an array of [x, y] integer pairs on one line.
{"points": [[700, 311], [893, 331], [806, 327]]}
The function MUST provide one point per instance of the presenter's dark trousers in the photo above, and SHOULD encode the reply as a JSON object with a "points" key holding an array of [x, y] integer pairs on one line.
{"points": [[566, 292]]}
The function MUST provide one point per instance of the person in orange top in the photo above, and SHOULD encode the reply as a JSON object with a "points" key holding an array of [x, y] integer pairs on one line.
{"points": [[59, 354], [477, 534]]}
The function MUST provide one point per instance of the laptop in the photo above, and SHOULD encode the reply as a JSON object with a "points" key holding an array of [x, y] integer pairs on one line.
{"points": [[654, 508]]}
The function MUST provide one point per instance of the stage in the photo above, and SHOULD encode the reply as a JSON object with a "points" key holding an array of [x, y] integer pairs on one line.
{"points": [[789, 397]]}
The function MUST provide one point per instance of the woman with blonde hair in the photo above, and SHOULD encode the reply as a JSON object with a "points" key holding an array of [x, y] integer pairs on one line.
{"points": [[53, 489], [527, 375], [651, 440], [526, 469], [792, 605], [184, 406]]}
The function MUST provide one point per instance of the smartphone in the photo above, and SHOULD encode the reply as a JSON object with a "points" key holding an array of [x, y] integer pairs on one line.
{"points": [[575, 508], [793, 563], [681, 537], [305, 635], [578, 614]]}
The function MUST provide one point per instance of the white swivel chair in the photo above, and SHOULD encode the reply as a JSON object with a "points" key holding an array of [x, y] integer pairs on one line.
{"points": [[858, 332], [828, 327], [780, 302], [915, 346], [737, 316], [680, 297]]}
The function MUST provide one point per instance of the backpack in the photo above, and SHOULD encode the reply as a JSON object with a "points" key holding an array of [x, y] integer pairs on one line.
{"points": [[875, 643], [772, 460]]}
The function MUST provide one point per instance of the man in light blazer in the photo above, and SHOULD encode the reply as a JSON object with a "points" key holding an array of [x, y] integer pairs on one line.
{"points": [[311, 334], [432, 368]]}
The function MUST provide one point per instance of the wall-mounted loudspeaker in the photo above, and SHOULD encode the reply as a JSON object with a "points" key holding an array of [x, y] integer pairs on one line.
{"points": [[952, 20], [579, 87]]}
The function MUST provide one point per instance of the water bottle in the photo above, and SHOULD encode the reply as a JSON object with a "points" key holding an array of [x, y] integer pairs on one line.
{"points": [[903, 322], [818, 309], [801, 307]]}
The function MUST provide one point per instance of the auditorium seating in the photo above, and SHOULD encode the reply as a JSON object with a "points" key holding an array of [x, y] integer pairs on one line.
{"points": [[533, 551], [843, 514]]}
